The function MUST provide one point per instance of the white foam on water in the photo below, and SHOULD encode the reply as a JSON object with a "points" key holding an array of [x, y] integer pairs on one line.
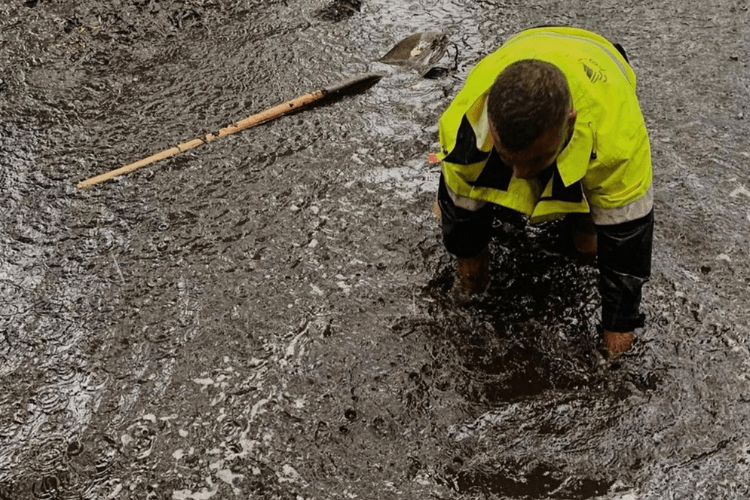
{"points": [[408, 181], [738, 191], [204, 494]]}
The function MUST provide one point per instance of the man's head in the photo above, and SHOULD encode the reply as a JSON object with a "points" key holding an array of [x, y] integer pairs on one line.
{"points": [[531, 116]]}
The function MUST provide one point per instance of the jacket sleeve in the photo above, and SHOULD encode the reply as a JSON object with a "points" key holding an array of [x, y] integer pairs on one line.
{"points": [[624, 254], [465, 232]]}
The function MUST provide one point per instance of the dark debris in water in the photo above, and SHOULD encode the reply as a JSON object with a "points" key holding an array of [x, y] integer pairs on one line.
{"points": [[524, 482], [71, 24], [338, 10], [183, 17]]}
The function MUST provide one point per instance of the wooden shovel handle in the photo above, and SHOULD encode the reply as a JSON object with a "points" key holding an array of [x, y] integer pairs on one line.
{"points": [[269, 114], [250, 121]]}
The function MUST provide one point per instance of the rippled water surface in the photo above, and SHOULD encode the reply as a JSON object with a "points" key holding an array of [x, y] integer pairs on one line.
{"points": [[271, 315]]}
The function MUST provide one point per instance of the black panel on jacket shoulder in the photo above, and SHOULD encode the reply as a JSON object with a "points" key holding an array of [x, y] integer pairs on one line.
{"points": [[569, 194], [466, 152], [495, 174]]}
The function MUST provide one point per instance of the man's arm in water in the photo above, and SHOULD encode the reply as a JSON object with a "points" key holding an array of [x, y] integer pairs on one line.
{"points": [[466, 234], [624, 256]]}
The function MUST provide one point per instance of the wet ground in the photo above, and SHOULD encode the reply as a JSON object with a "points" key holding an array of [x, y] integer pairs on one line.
{"points": [[271, 315]]}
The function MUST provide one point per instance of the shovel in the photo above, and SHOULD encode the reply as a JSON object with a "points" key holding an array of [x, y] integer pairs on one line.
{"points": [[419, 52]]}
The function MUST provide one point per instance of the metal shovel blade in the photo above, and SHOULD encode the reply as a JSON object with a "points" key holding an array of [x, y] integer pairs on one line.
{"points": [[420, 51]]}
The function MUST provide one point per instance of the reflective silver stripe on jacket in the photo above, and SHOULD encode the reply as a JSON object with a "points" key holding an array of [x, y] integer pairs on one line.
{"points": [[465, 203], [601, 216], [632, 211]]}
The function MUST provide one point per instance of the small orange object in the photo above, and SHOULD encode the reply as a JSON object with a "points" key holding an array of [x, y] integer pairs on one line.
{"points": [[436, 209], [433, 158]]}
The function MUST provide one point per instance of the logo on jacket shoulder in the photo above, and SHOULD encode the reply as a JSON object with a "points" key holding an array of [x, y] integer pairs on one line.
{"points": [[593, 71]]}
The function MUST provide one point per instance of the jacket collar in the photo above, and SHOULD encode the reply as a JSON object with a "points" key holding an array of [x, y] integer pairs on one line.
{"points": [[573, 161]]}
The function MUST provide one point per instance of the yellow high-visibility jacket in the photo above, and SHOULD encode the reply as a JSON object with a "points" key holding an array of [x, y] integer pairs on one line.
{"points": [[606, 167]]}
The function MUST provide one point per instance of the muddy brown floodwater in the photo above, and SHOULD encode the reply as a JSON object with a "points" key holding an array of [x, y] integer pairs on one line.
{"points": [[271, 315]]}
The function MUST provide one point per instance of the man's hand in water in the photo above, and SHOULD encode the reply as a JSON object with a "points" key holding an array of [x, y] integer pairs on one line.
{"points": [[617, 343], [474, 272]]}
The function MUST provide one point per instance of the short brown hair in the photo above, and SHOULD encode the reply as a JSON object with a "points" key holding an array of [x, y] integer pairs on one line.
{"points": [[527, 98]]}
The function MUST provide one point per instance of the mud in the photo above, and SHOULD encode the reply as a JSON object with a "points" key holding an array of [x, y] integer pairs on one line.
{"points": [[272, 316]]}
